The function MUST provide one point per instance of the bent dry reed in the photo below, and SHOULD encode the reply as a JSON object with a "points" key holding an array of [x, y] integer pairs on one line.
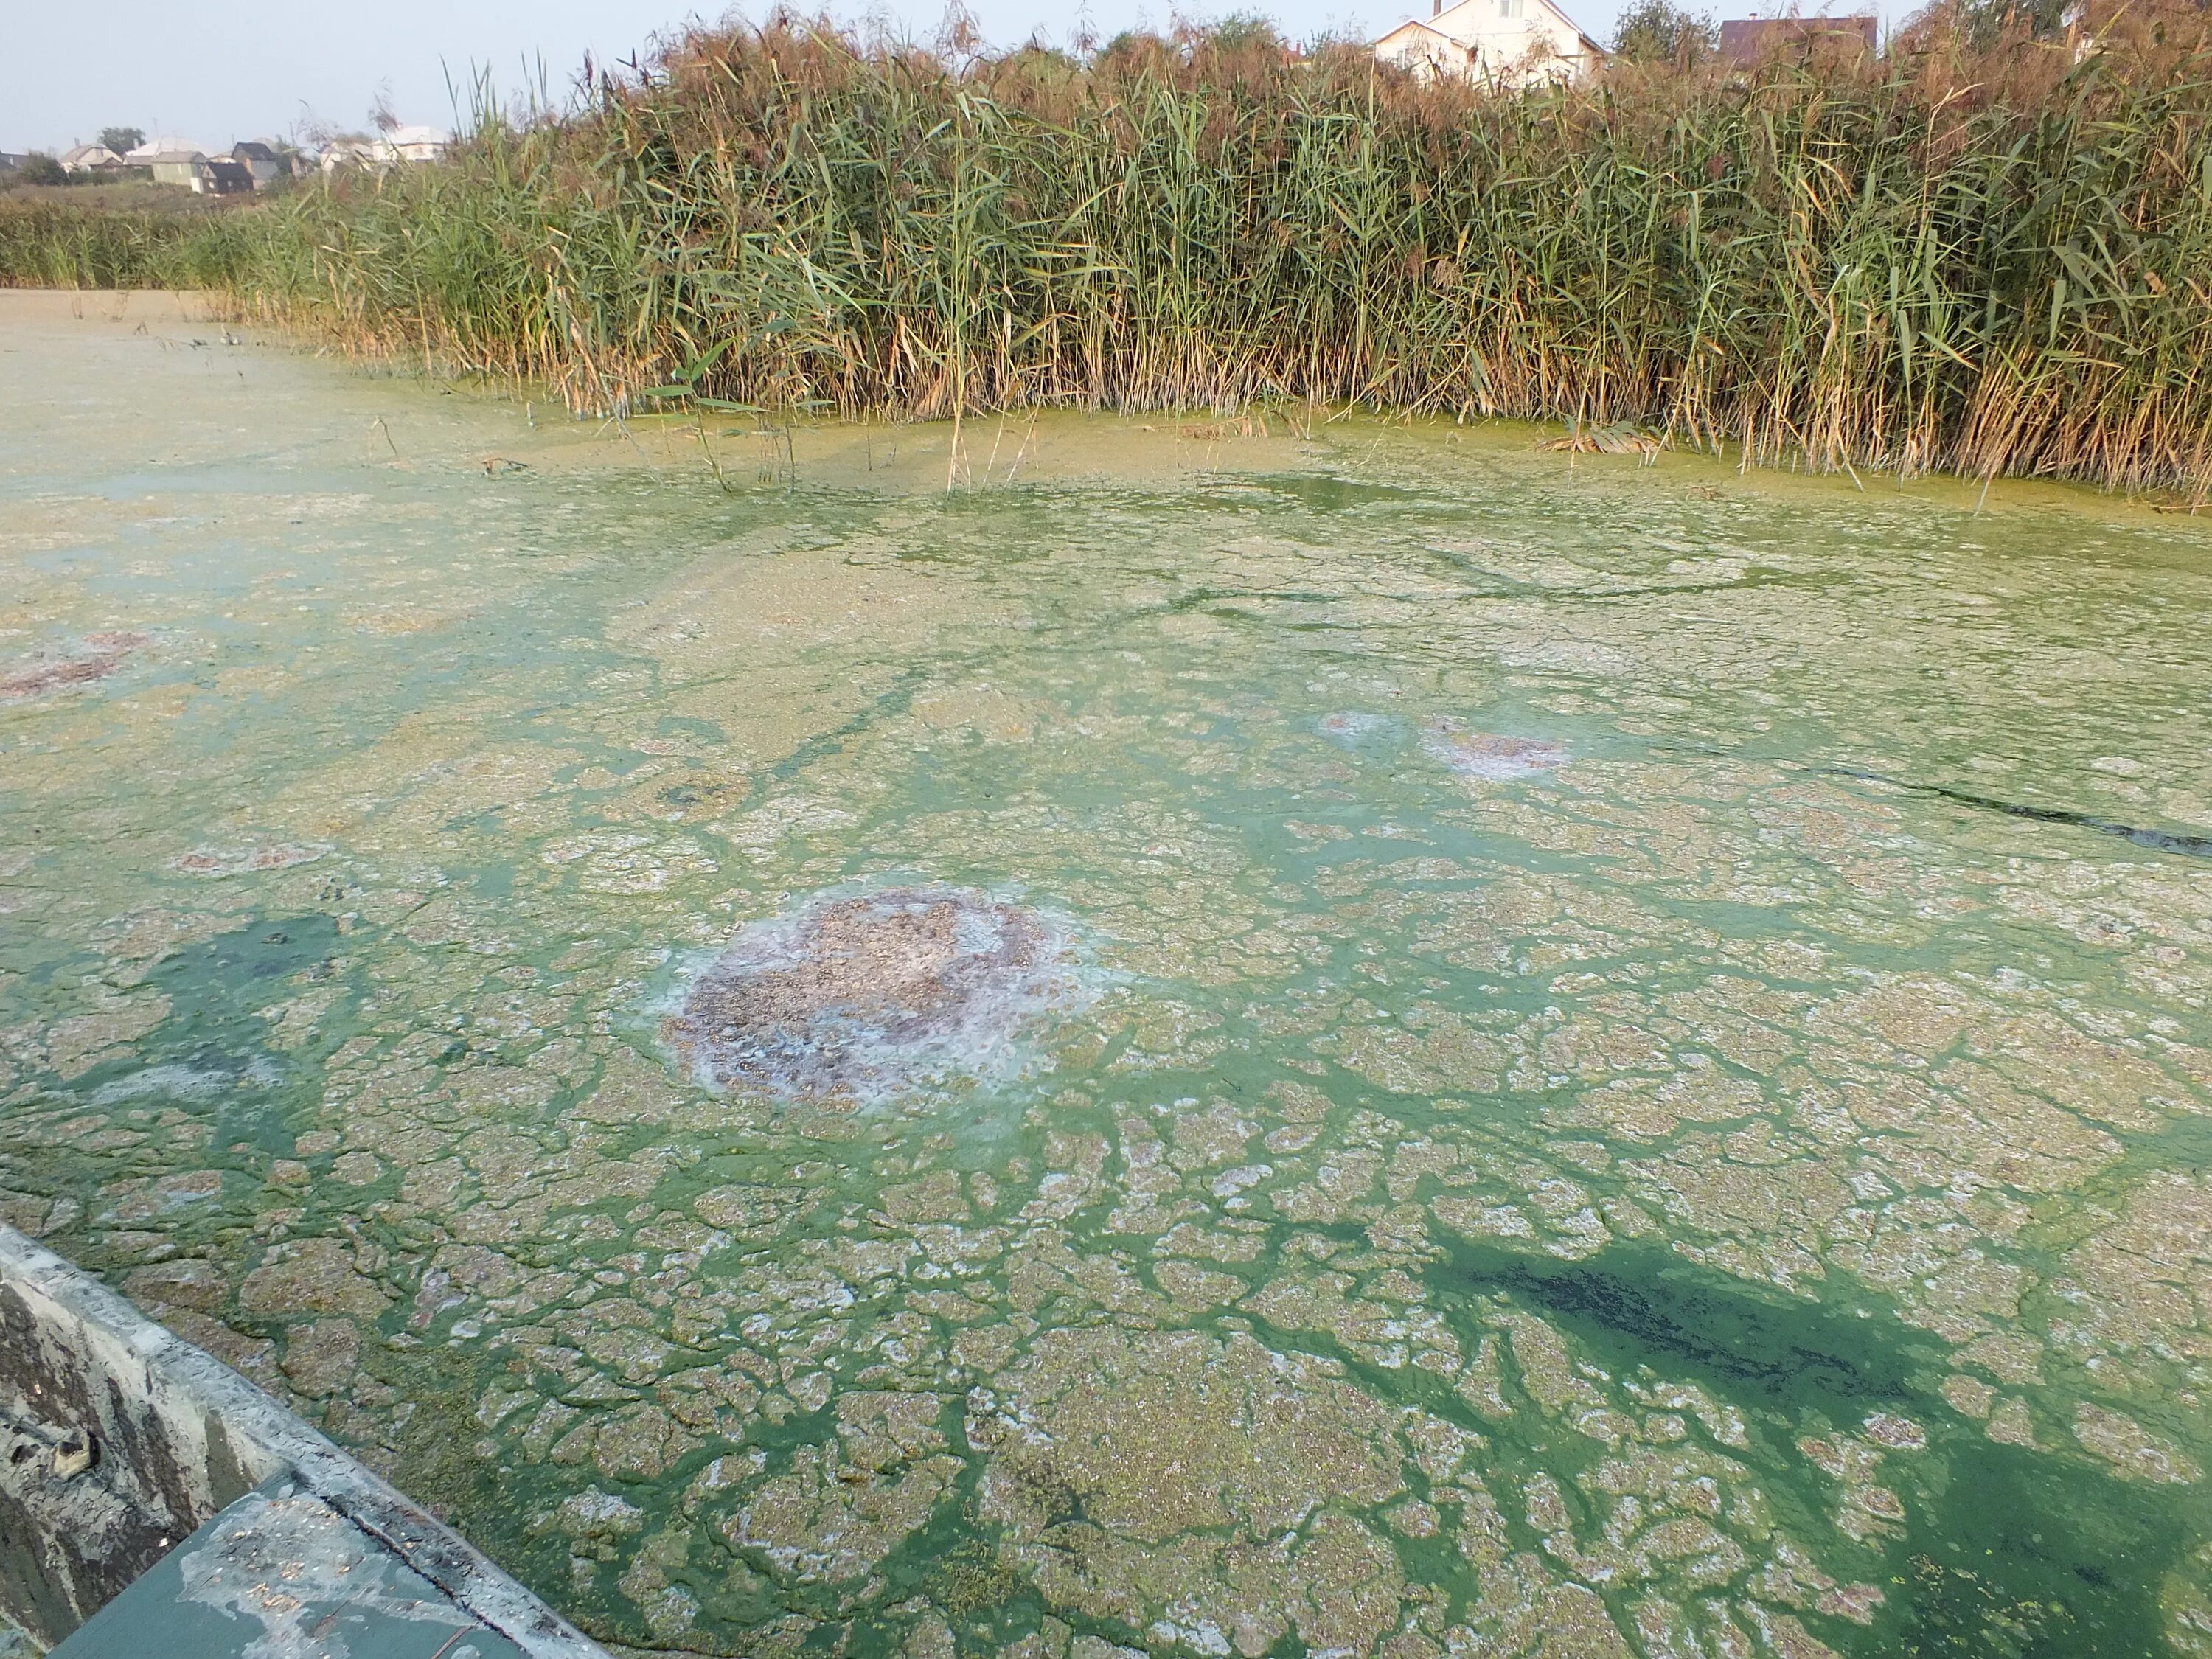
{"points": [[1986, 259]]}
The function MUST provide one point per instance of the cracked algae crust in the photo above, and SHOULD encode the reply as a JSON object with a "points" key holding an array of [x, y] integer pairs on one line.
{"points": [[1650, 1190]]}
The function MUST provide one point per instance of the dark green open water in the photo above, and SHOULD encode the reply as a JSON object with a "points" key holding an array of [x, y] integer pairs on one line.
{"points": [[1627, 1073]]}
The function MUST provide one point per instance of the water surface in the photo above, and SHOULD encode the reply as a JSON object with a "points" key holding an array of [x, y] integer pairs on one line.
{"points": [[1624, 1069]]}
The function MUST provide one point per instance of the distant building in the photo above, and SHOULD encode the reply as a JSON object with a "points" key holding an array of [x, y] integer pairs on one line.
{"points": [[1755, 39], [387, 150], [261, 162], [417, 143], [144, 156], [11, 160], [1502, 40], [186, 167], [221, 176], [195, 171], [91, 158], [372, 155]]}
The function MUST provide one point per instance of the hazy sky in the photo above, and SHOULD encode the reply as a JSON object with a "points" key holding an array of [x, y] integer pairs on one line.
{"points": [[217, 74]]}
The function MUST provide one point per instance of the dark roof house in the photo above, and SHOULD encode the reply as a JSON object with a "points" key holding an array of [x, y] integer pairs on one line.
{"points": [[261, 161], [225, 177], [1749, 39]]}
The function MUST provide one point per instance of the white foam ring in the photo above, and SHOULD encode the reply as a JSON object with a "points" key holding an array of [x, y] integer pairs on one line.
{"points": [[864, 997], [1494, 757]]}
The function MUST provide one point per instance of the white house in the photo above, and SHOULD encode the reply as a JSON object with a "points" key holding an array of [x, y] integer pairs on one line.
{"points": [[387, 150], [1507, 41], [366, 154], [417, 143]]}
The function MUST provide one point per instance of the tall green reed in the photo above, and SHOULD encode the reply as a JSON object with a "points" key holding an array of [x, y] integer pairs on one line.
{"points": [[65, 244], [1989, 259]]}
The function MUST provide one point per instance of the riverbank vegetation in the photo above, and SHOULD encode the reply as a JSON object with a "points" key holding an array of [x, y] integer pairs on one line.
{"points": [[1983, 251], [132, 236]]}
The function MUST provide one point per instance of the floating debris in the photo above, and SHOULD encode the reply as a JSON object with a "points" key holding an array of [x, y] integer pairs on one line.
{"points": [[859, 998], [496, 466], [214, 863], [178, 1082], [73, 1455], [103, 654], [1491, 755], [1354, 726], [1622, 438], [1244, 426]]}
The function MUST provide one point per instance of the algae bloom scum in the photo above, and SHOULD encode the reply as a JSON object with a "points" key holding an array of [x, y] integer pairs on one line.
{"points": [[1367, 1045]]}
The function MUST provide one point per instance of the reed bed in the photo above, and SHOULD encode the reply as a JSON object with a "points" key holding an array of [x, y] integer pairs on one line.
{"points": [[1984, 256], [67, 244]]}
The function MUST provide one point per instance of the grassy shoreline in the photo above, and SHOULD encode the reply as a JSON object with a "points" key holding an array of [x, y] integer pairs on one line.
{"points": [[1985, 260]]}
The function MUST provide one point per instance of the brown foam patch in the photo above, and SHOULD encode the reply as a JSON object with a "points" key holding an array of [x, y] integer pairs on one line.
{"points": [[855, 998], [105, 654]]}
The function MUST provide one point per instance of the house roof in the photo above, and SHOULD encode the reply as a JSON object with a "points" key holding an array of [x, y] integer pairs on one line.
{"points": [[253, 149], [1747, 40], [1486, 10], [1416, 26], [166, 145], [174, 158], [87, 153]]}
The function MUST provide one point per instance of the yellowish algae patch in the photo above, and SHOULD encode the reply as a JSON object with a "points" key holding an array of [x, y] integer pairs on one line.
{"points": [[1555, 1154]]}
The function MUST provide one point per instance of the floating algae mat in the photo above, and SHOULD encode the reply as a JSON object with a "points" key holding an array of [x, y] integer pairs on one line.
{"points": [[1386, 1046]]}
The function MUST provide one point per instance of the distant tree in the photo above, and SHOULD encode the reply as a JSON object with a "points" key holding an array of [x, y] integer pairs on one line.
{"points": [[1988, 20], [37, 169], [1130, 50], [1240, 29], [122, 140], [1657, 31]]}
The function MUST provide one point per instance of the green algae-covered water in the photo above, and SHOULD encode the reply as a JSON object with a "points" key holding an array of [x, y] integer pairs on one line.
{"points": [[1362, 1041]]}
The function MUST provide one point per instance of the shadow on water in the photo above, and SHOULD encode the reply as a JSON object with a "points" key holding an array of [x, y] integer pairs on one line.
{"points": [[211, 1051], [1502, 585], [1641, 1305], [2163, 841], [2008, 1552], [1320, 492]]}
